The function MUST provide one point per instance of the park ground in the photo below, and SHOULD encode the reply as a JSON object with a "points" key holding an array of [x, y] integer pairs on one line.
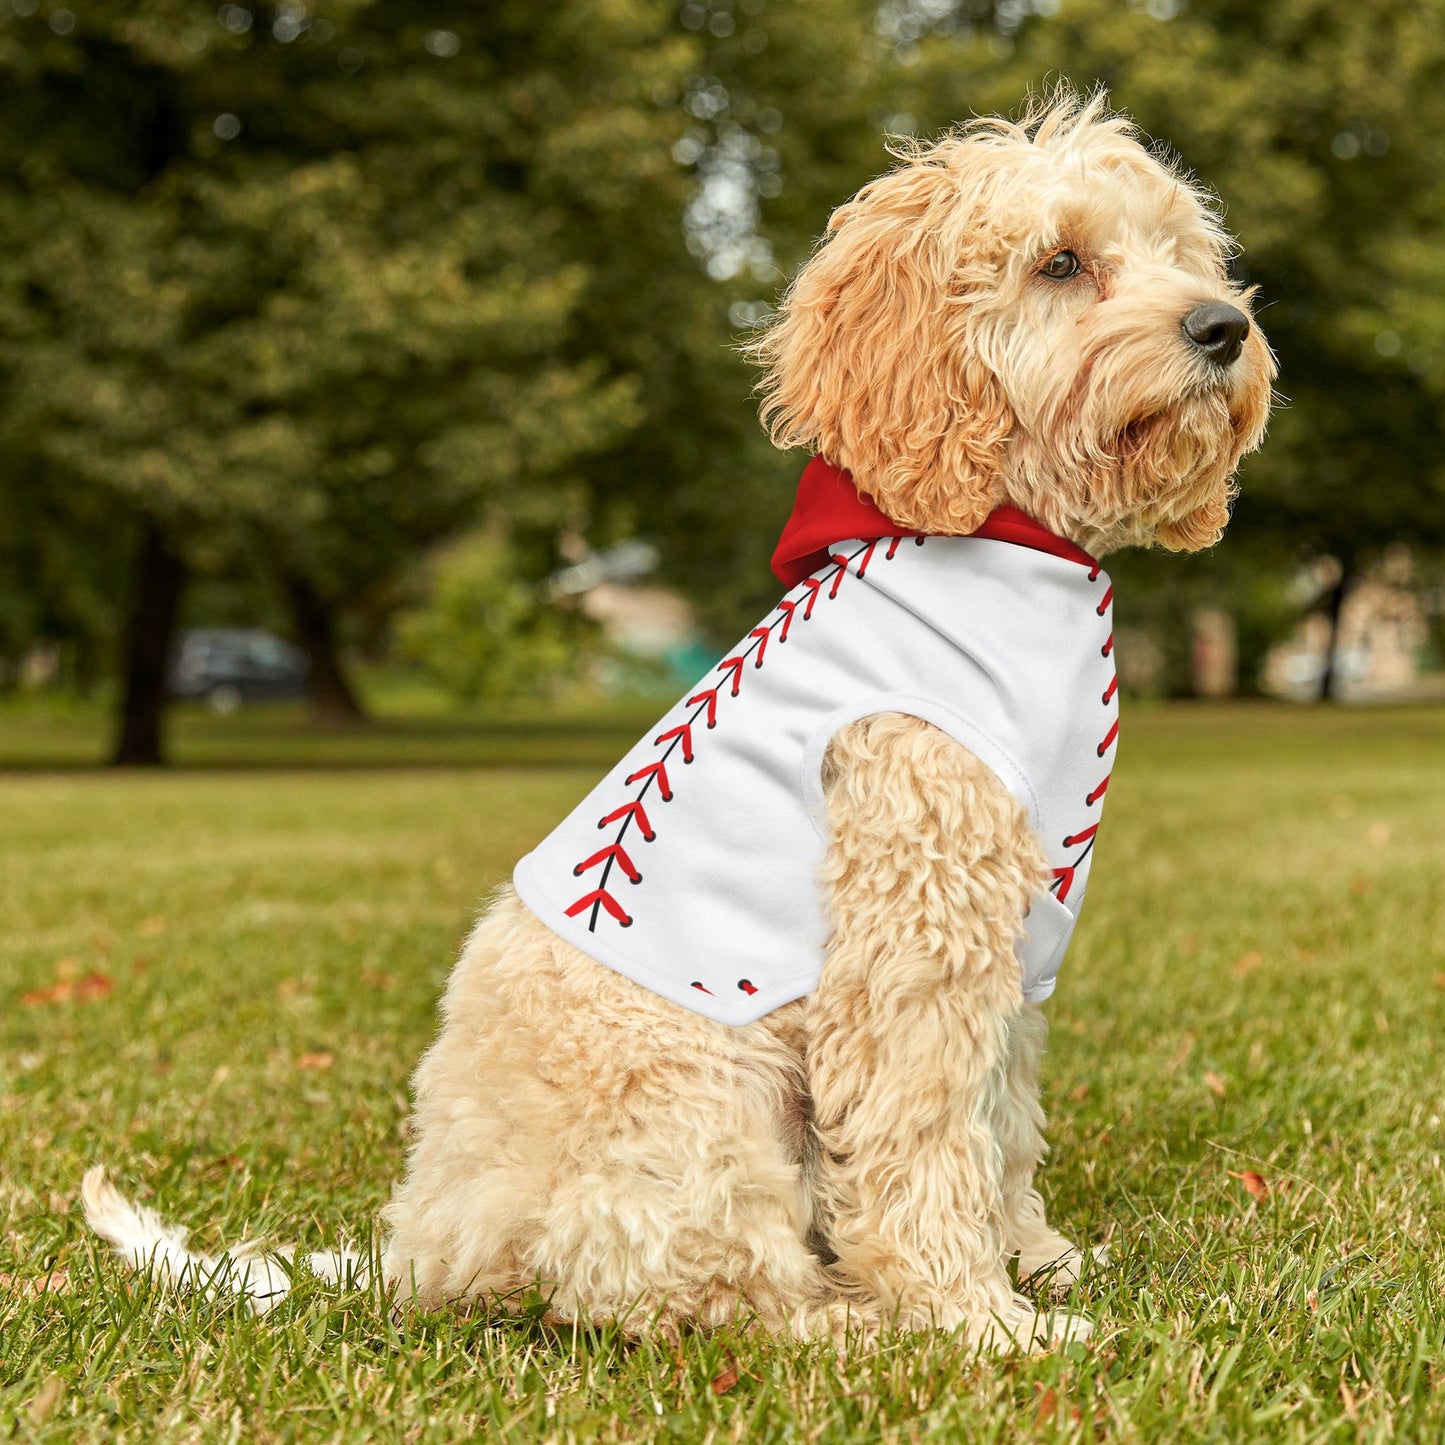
{"points": [[215, 979]]}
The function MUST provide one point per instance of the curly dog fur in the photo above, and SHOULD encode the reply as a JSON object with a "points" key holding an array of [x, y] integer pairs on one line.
{"points": [[865, 1156]]}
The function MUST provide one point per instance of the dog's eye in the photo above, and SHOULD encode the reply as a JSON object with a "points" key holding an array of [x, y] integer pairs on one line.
{"points": [[1060, 266]]}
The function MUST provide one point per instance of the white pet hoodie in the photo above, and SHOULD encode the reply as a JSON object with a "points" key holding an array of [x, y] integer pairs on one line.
{"points": [[692, 867]]}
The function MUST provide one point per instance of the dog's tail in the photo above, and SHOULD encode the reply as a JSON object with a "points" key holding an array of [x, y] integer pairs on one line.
{"points": [[147, 1243]]}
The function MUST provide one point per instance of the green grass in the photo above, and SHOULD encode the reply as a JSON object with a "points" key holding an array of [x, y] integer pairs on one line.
{"points": [[1256, 985]]}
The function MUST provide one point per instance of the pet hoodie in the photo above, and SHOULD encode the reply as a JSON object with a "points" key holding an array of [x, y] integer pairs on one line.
{"points": [[692, 868]]}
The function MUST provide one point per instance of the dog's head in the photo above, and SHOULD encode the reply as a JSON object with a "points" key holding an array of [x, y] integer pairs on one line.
{"points": [[1036, 313]]}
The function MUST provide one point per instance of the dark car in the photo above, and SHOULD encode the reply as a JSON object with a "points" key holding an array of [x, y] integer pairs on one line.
{"points": [[231, 665]]}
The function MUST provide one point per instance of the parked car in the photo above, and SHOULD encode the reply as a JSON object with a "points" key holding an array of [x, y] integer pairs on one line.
{"points": [[230, 665]]}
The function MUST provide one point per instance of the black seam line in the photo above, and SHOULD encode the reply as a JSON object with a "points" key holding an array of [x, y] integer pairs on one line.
{"points": [[701, 708]]}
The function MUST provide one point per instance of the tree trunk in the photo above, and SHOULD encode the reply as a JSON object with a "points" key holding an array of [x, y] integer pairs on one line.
{"points": [[160, 579], [333, 699], [1329, 677]]}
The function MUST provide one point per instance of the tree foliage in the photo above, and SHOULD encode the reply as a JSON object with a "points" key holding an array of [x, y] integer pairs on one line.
{"points": [[307, 290]]}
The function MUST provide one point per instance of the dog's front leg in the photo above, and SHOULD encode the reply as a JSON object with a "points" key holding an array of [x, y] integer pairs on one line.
{"points": [[931, 864]]}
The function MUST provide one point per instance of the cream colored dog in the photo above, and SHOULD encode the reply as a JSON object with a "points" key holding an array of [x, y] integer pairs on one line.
{"points": [[1035, 314]]}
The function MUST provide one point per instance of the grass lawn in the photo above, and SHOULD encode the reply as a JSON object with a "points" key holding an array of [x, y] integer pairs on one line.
{"points": [[216, 980]]}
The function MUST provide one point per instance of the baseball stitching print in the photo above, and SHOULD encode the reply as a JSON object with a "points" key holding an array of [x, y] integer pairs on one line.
{"points": [[1064, 877], [704, 703]]}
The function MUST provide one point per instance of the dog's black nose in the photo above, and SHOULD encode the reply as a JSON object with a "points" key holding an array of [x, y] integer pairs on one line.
{"points": [[1218, 330]]}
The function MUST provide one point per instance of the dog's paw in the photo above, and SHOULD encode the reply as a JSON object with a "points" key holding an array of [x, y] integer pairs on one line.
{"points": [[1058, 1270], [1023, 1326]]}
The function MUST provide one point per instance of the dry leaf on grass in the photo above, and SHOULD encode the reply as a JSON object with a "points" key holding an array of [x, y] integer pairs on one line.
{"points": [[1247, 963], [45, 1399], [56, 1282], [1046, 1407], [1255, 1184], [1181, 1054], [1214, 1083], [322, 1059], [67, 990], [722, 1383]]}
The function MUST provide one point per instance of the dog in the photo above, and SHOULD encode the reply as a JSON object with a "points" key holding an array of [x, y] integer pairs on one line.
{"points": [[756, 1033]]}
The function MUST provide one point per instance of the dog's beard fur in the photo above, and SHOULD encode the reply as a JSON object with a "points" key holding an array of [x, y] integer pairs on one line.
{"points": [[1139, 449]]}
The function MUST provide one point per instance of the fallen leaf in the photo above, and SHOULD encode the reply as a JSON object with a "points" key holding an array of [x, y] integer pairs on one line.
{"points": [[1247, 963], [56, 1282], [66, 990], [1181, 1054], [322, 1059], [1214, 1083], [724, 1382], [45, 1399], [1254, 1183], [1046, 1407]]}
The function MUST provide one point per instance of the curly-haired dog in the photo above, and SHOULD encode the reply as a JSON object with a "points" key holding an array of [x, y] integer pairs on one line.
{"points": [[760, 1040]]}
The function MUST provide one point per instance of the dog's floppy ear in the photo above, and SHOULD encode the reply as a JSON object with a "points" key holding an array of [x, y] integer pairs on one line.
{"points": [[872, 361]]}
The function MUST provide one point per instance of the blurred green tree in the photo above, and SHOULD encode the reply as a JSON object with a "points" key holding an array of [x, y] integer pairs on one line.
{"points": [[308, 284]]}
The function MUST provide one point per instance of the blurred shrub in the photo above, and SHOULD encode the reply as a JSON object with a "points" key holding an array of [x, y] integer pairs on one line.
{"points": [[486, 633]]}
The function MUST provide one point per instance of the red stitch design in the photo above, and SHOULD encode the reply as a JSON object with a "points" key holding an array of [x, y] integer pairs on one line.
{"points": [[1108, 646], [708, 695], [1109, 738], [735, 666], [1063, 881], [704, 701], [612, 850], [1104, 602], [682, 731], [746, 986], [1098, 792], [867, 557], [707, 991], [1074, 839], [656, 770], [786, 607], [1112, 688], [893, 545], [630, 811], [606, 900]]}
